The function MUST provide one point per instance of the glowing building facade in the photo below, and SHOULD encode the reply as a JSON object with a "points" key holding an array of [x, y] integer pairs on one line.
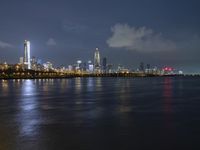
{"points": [[27, 57], [97, 60]]}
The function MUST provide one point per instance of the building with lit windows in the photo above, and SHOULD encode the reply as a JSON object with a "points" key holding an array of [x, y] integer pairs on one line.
{"points": [[97, 61], [27, 57], [48, 66]]}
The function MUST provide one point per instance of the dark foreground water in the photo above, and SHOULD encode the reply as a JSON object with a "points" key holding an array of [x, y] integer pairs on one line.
{"points": [[100, 114]]}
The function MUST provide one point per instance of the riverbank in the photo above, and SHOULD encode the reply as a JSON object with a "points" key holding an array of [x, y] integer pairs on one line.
{"points": [[74, 75]]}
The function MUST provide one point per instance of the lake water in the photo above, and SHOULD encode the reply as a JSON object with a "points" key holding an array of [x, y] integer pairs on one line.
{"points": [[100, 114]]}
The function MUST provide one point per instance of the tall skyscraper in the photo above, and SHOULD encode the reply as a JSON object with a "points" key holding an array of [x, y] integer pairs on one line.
{"points": [[104, 64], [97, 61], [27, 57]]}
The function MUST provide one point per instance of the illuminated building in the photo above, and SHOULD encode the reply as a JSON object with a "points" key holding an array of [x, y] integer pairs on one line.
{"points": [[21, 60], [78, 64], [119, 67], [27, 57], [97, 61], [91, 68], [4, 66], [167, 70], [70, 67], [180, 72], [110, 68], [122, 69], [33, 60], [148, 69], [48, 66], [34, 63]]}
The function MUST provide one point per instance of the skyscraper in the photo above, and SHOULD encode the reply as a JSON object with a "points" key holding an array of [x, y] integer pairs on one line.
{"points": [[142, 69], [21, 60], [104, 64], [90, 66], [27, 57], [97, 61]]}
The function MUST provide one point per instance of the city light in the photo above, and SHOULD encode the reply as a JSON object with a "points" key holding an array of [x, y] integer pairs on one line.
{"points": [[32, 67]]}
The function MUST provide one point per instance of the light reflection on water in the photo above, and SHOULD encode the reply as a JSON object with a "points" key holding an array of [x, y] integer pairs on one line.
{"points": [[73, 113], [78, 85], [28, 116], [124, 95], [4, 87], [167, 93]]}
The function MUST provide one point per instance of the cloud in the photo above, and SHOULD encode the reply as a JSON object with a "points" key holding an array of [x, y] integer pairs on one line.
{"points": [[139, 39], [5, 45], [51, 42]]}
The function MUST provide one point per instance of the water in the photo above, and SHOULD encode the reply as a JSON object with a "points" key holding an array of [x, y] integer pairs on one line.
{"points": [[100, 114]]}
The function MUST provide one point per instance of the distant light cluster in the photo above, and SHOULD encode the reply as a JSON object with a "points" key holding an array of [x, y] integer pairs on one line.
{"points": [[98, 66]]}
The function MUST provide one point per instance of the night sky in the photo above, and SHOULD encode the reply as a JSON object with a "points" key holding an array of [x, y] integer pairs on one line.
{"points": [[127, 32]]}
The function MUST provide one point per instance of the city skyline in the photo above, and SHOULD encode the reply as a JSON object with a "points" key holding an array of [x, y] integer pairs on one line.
{"points": [[63, 35], [99, 65]]}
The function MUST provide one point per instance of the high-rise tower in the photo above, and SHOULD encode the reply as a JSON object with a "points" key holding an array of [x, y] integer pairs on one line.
{"points": [[104, 64], [97, 60], [27, 57]]}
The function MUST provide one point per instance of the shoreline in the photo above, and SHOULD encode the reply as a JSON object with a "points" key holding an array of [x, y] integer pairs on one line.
{"points": [[113, 75]]}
